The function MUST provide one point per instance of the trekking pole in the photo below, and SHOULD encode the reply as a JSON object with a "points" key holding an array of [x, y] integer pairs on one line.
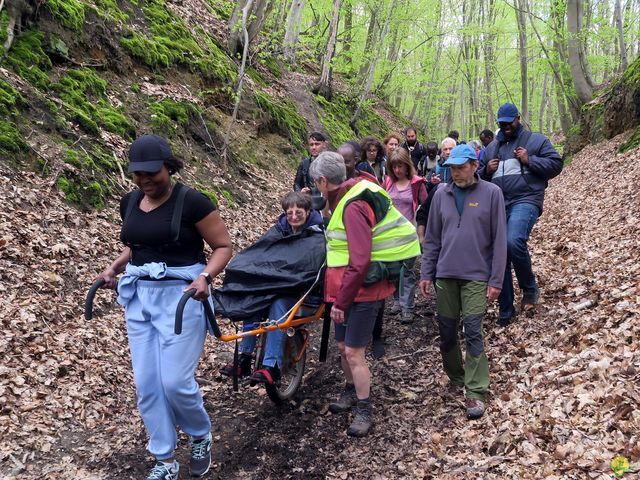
{"points": [[207, 310], [88, 304]]}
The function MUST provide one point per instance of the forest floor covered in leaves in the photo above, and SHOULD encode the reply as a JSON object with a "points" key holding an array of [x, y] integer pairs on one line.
{"points": [[565, 392]]}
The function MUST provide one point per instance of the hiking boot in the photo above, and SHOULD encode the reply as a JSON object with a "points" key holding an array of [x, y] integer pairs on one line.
{"points": [[377, 348], [529, 302], [475, 408], [407, 318], [200, 456], [243, 368], [164, 471], [363, 421], [268, 375], [506, 321], [345, 401]]}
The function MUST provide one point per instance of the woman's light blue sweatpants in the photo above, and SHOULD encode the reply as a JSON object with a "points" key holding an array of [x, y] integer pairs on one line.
{"points": [[164, 363]]}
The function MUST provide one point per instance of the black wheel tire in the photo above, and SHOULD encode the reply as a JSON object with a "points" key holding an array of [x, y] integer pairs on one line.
{"points": [[291, 372]]}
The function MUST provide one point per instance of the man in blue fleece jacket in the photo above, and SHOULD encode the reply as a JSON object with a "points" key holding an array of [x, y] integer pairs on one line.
{"points": [[520, 163], [465, 252]]}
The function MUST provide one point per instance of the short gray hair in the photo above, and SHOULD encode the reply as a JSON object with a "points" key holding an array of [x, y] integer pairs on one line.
{"points": [[449, 140], [329, 165]]}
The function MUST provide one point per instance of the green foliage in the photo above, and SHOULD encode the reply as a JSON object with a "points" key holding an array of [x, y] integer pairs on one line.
{"points": [[4, 22], [69, 189], [171, 43], [336, 115], [84, 94], [284, 117], [69, 13], [211, 195], [215, 194], [28, 60], [167, 114], [633, 142], [10, 98], [88, 194]]}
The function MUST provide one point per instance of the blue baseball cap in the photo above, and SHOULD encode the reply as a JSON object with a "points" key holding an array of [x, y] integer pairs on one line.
{"points": [[507, 113], [148, 153], [461, 155]]}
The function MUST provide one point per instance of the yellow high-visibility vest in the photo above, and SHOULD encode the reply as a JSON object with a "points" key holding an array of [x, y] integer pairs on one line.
{"points": [[394, 237]]}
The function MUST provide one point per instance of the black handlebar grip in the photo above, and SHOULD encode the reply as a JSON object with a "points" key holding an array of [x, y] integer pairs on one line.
{"points": [[88, 304], [180, 309]]}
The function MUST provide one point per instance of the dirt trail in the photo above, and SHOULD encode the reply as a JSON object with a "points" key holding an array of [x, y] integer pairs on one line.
{"points": [[565, 383]]}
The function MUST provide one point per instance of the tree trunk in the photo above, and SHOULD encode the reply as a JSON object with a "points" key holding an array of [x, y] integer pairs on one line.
{"points": [[371, 33], [372, 70], [543, 102], [521, 8], [253, 24], [617, 15], [488, 45], [323, 87], [347, 36], [292, 29], [574, 23], [565, 120]]}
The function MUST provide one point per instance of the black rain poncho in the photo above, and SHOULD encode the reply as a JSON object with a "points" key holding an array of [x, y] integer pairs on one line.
{"points": [[277, 264]]}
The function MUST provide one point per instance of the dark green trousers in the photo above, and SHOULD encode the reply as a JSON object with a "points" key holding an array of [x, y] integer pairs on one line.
{"points": [[467, 298]]}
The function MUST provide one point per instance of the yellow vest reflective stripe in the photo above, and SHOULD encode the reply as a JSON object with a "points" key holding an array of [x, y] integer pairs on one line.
{"points": [[393, 237]]}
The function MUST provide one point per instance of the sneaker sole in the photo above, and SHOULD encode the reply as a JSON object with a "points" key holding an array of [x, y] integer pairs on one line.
{"points": [[197, 475]]}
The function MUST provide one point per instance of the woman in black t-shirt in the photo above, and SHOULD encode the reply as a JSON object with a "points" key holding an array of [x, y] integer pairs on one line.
{"points": [[164, 227]]}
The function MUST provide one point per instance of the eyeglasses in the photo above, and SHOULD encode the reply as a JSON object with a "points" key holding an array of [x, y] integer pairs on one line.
{"points": [[296, 212]]}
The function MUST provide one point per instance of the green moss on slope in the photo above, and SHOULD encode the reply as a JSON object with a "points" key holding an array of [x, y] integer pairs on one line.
{"points": [[11, 140], [335, 117], [171, 43], [28, 60], [167, 114], [69, 13], [284, 118], [84, 94]]}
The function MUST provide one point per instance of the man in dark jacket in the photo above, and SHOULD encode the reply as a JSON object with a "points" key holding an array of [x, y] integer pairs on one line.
{"points": [[317, 144], [414, 147], [520, 163], [465, 254]]}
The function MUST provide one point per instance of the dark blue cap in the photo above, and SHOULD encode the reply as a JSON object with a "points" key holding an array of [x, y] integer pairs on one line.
{"points": [[461, 155], [507, 113], [148, 153]]}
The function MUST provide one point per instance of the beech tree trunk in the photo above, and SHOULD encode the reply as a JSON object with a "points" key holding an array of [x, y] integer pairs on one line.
{"points": [[257, 13], [574, 24], [371, 33], [347, 36], [323, 87], [617, 15], [292, 29], [521, 8]]}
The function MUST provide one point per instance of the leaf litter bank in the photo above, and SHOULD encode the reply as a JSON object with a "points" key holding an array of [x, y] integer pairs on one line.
{"points": [[564, 384]]}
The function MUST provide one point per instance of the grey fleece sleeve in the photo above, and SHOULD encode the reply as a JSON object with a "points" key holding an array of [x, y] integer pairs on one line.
{"points": [[499, 234], [433, 240]]}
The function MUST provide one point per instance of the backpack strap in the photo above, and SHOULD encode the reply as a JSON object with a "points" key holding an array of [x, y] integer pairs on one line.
{"points": [[176, 219]]}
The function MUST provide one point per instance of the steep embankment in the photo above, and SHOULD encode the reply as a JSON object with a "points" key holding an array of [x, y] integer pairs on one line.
{"points": [[565, 383]]}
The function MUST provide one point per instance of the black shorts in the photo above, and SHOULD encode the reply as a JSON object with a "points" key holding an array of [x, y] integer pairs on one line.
{"points": [[358, 324]]}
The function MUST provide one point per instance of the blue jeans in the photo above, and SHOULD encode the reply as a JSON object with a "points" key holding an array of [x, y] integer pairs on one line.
{"points": [[275, 339], [521, 217]]}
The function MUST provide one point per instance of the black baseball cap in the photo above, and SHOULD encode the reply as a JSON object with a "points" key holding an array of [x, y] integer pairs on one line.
{"points": [[507, 113], [148, 153]]}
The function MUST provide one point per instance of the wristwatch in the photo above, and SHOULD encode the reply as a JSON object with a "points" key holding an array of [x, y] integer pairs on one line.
{"points": [[207, 277]]}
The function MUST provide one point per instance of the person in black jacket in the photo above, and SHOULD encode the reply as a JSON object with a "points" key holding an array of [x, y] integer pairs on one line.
{"points": [[317, 144], [415, 148]]}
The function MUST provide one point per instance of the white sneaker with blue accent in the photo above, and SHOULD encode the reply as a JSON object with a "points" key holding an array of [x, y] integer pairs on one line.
{"points": [[200, 456], [164, 471]]}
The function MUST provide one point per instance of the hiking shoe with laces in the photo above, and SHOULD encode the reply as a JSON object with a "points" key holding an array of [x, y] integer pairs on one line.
{"points": [[200, 456], [345, 401], [363, 421], [164, 471], [243, 369], [475, 408], [407, 318], [529, 302]]}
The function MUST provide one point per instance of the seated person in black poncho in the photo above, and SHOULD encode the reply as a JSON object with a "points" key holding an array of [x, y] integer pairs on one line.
{"points": [[295, 243]]}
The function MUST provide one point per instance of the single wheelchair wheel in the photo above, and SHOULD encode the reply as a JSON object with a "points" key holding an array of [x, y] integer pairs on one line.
{"points": [[292, 370]]}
